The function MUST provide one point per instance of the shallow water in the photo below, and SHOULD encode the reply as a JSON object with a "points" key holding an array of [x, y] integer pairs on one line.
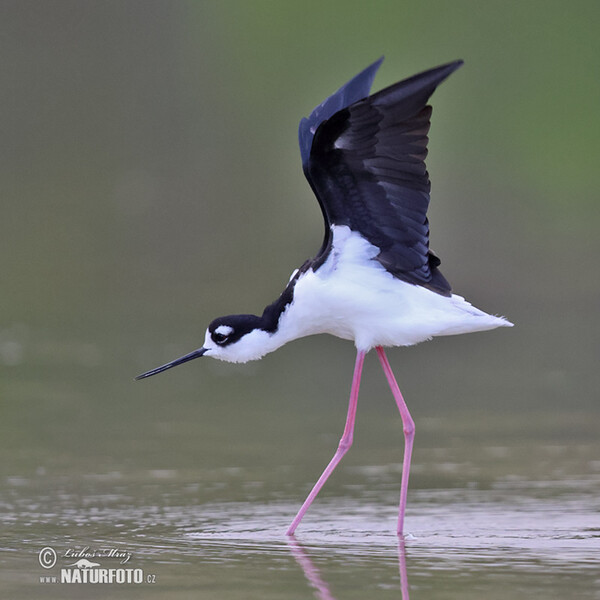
{"points": [[488, 516], [151, 182], [456, 546]]}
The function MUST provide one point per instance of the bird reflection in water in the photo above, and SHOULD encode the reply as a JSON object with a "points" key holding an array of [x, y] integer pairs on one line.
{"points": [[313, 576]]}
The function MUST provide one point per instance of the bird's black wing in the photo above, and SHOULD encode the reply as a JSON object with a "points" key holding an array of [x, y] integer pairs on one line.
{"points": [[367, 169]]}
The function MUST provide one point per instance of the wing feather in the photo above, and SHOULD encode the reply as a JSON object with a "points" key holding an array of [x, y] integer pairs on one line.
{"points": [[367, 167]]}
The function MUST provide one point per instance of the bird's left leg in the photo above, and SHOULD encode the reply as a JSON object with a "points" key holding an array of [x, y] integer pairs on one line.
{"points": [[409, 433], [343, 446]]}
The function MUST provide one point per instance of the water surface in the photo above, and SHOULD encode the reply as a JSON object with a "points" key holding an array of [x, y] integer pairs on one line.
{"points": [[515, 519]]}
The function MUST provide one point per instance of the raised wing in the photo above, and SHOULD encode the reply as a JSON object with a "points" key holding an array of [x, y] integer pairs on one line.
{"points": [[367, 168], [353, 91]]}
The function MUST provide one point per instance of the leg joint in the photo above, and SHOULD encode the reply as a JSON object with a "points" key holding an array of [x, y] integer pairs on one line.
{"points": [[345, 444]]}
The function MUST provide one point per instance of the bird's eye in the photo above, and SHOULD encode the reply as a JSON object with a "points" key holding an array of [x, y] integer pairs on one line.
{"points": [[219, 338], [221, 334]]}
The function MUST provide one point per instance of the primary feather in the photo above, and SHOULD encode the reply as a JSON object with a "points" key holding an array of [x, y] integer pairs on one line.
{"points": [[367, 169]]}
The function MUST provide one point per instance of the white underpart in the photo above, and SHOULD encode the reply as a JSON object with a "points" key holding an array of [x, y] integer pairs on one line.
{"points": [[353, 297]]}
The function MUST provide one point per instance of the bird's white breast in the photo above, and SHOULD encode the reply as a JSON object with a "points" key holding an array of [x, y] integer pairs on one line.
{"points": [[353, 297]]}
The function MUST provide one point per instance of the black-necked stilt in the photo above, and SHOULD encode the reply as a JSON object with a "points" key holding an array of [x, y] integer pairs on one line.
{"points": [[374, 281]]}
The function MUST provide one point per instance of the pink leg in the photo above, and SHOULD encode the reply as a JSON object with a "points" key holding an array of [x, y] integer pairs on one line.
{"points": [[409, 433], [343, 446]]}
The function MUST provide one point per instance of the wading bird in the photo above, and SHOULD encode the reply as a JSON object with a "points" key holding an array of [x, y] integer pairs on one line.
{"points": [[374, 280]]}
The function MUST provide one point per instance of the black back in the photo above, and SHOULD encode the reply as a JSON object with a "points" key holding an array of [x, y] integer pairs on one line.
{"points": [[367, 169]]}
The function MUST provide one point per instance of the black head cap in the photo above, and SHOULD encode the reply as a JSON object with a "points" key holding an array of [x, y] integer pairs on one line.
{"points": [[228, 330]]}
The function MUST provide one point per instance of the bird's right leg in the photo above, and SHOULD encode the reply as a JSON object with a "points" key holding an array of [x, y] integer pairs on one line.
{"points": [[409, 434], [344, 445]]}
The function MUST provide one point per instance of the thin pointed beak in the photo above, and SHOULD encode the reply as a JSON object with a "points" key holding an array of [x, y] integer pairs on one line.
{"points": [[174, 363]]}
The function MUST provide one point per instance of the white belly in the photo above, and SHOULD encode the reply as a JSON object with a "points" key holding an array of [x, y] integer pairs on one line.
{"points": [[353, 297]]}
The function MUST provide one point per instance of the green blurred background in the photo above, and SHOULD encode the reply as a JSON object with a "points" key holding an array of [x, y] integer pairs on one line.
{"points": [[150, 181]]}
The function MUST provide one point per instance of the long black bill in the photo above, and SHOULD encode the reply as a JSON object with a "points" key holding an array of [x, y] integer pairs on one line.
{"points": [[174, 363]]}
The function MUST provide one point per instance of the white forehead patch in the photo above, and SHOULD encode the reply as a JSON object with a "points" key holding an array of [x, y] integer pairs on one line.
{"points": [[224, 330]]}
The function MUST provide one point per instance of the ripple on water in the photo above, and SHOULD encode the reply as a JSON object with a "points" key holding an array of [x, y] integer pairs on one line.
{"points": [[512, 523], [556, 532]]}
